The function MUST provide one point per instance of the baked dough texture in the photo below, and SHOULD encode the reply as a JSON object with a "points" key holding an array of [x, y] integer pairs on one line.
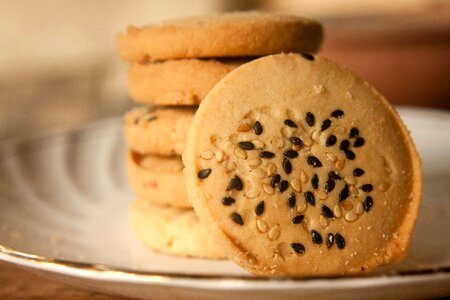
{"points": [[157, 179], [318, 174], [227, 35], [172, 230]]}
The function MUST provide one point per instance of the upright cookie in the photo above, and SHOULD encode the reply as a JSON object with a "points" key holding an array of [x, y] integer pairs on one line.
{"points": [[226, 35], [177, 82], [157, 179], [171, 230], [158, 130], [322, 176]]}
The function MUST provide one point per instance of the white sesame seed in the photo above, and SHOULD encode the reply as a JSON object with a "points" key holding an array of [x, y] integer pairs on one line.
{"points": [[340, 164], [339, 129], [322, 195], [279, 143], [274, 232], [261, 225], [323, 221], [244, 127], [252, 193], [303, 177], [296, 185], [271, 169], [315, 135], [208, 154], [319, 89], [347, 205], [351, 216], [350, 179], [220, 155], [359, 208], [354, 191], [240, 153], [268, 189], [258, 144], [260, 173], [301, 207], [230, 166], [331, 156], [337, 211], [253, 163]]}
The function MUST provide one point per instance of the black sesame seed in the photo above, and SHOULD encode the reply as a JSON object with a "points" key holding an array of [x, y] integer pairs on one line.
{"points": [[340, 241], [344, 145], [368, 203], [298, 219], [325, 124], [290, 123], [257, 128], [337, 113], [358, 172], [298, 248], [315, 181], [227, 201], [316, 237], [267, 154], [313, 161], [330, 240], [349, 154], [334, 175], [329, 185], [259, 209], [287, 166], [283, 185], [309, 197], [359, 142], [291, 200], [204, 173], [309, 118], [331, 140], [151, 118], [307, 56], [290, 153], [296, 141], [246, 145], [366, 187], [353, 132], [275, 180], [237, 218], [235, 183], [326, 211], [345, 192]]}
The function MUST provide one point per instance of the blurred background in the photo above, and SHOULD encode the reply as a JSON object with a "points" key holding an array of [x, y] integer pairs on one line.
{"points": [[59, 67]]}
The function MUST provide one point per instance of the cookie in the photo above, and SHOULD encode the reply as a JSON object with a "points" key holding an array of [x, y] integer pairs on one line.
{"points": [[171, 230], [177, 82], [322, 177], [157, 179], [158, 130], [227, 35]]}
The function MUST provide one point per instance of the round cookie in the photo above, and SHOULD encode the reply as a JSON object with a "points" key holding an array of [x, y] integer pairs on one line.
{"points": [[157, 179], [171, 230], [322, 177], [227, 35], [177, 82], [158, 130]]}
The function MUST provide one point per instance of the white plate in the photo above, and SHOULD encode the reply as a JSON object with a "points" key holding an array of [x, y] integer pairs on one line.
{"points": [[63, 212]]}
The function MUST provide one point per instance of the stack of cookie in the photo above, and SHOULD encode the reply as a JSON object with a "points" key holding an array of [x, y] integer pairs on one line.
{"points": [[173, 67]]}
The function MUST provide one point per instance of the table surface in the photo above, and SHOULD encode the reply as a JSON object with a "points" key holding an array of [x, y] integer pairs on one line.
{"points": [[18, 283]]}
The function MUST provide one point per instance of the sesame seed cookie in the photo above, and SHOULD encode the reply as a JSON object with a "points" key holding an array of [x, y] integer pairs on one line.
{"points": [[177, 82], [158, 130], [322, 177], [157, 179], [171, 230], [227, 35]]}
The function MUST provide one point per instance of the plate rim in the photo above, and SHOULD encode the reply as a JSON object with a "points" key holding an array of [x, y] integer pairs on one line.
{"points": [[92, 270]]}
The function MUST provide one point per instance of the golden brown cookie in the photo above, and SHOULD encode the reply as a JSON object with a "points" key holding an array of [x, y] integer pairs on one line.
{"points": [[322, 177], [177, 82], [157, 179], [228, 35], [171, 230], [158, 130]]}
